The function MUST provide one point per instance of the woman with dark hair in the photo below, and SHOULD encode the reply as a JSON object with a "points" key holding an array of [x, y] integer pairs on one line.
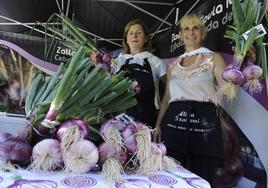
{"points": [[143, 68]]}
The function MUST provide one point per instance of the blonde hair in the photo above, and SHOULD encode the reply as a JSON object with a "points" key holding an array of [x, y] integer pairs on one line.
{"points": [[147, 45], [192, 19]]}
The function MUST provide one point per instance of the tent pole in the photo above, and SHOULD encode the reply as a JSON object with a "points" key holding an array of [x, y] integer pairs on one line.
{"points": [[25, 25], [67, 8], [146, 12], [40, 31], [189, 11], [103, 39], [162, 22], [58, 6], [141, 2]]}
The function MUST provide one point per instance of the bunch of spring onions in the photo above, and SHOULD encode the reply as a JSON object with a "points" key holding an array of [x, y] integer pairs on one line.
{"points": [[246, 14], [129, 147], [79, 90]]}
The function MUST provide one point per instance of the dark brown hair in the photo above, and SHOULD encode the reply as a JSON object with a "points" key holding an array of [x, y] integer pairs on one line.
{"points": [[148, 44], [231, 169]]}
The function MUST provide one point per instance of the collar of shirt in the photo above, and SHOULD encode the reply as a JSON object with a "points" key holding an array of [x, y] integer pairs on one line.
{"points": [[137, 58], [196, 51]]}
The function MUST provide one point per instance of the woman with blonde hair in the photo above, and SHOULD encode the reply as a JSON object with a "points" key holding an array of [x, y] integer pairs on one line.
{"points": [[188, 122]]}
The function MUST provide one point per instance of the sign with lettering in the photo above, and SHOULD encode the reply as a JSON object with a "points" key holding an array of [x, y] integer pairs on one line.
{"points": [[216, 14], [36, 46]]}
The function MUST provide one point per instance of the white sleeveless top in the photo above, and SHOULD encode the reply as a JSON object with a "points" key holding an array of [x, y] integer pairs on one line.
{"points": [[195, 82]]}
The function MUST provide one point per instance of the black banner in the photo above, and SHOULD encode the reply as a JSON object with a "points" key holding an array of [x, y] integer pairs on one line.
{"points": [[216, 14], [36, 46]]}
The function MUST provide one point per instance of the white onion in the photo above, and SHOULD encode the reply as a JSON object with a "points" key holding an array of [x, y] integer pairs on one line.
{"points": [[46, 155], [81, 157]]}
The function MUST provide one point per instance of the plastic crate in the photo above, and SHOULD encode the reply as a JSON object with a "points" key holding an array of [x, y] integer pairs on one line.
{"points": [[11, 122]]}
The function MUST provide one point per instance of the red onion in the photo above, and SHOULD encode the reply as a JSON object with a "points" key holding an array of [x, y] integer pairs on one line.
{"points": [[106, 57], [16, 150], [4, 136], [233, 75], [71, 132], [111, 160], [131, 132], [110, 132], [168, 163], [162, 148], [149, 166], [129, 139], [137, 140], [46, 155], [108, 150], [80, 124], [155, 149], [252, 72], [232, 65], [81, 157]]}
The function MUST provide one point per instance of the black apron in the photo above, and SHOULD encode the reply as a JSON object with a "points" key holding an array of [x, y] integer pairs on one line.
{"points": [[145, 110], [193, 127]]}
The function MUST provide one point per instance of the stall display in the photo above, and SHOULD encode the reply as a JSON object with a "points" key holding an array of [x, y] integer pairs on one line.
{"points": [[65, 109]]}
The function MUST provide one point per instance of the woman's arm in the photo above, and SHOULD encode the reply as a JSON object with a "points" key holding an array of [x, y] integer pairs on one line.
{"points": [[162, 111], [218, 69]]}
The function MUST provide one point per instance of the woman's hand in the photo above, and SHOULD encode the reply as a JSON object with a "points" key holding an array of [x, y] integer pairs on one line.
{"points": [[157, 134]]}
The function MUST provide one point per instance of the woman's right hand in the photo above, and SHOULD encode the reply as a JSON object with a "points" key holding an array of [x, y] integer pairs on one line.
{"points": [[157, 134]]}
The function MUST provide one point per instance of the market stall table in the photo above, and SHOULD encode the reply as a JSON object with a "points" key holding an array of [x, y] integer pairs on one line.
{"points": [[181, 178]]}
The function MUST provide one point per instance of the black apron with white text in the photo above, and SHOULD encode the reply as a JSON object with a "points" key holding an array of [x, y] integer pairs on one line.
{"points": [[145, 110], [193, 127]]}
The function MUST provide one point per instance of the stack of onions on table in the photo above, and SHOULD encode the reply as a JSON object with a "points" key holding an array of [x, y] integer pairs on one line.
{"points": [[66, 110]]}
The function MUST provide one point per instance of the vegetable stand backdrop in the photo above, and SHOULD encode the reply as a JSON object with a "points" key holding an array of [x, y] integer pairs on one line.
{"points": [[104, 22]]}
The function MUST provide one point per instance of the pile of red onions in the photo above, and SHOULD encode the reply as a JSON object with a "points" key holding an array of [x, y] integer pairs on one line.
{"points": [[234, 77]]}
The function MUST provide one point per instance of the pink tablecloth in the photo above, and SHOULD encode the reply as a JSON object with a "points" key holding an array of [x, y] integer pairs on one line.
{"points": [[181, 178]]}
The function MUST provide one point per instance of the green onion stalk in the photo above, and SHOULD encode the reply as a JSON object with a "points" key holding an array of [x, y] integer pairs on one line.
{"points": [[49, 122], [246, 16]]}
